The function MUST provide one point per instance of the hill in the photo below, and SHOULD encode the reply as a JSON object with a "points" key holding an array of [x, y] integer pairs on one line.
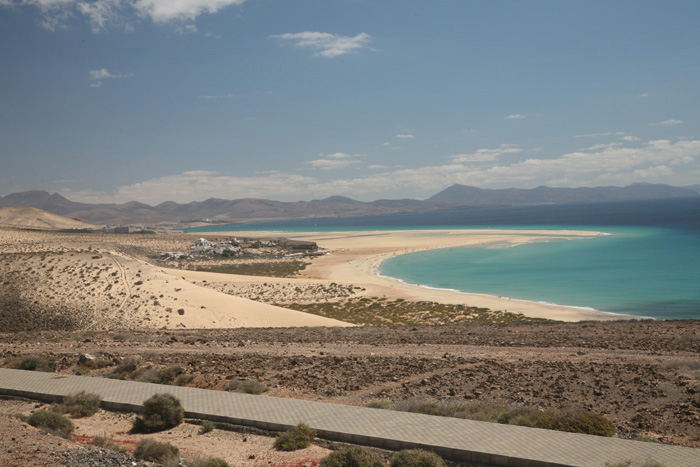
{"points": [[252, 209], [462, 195], [33, 218]]}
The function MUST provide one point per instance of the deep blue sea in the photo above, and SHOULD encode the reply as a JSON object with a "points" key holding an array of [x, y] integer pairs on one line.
{"points": [[648, 264]]}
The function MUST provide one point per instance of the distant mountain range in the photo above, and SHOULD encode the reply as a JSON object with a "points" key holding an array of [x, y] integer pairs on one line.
{"points": [[249, 209]]}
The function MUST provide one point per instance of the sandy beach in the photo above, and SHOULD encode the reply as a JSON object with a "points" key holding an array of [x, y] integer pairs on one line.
{"points": [[354, 257]]}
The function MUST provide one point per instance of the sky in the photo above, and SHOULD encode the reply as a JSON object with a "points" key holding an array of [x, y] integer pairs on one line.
{"points": [[184, 100]]}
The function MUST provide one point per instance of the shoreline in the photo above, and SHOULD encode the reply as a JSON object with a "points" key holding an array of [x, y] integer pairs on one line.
{"points": [[356, 254], [501, 297]]}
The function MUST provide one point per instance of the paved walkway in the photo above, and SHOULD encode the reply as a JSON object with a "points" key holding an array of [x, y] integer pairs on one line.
{"points": [[478, 442]]}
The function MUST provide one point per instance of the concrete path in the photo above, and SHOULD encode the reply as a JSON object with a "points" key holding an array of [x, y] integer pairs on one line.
{"points": [[478, 442]]}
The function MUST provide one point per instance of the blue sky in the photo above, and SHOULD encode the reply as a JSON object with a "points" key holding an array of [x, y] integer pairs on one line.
{"points": [[154, 100]]}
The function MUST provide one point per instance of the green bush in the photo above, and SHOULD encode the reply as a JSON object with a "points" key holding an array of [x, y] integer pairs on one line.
{"points": [[82, 404], [127, 367], [570, 420], [154, 451], [416, 458], [51, 422], [249, 387], [160, 412], [207, 427], [353, 457], [34, 363], [299, 437]]}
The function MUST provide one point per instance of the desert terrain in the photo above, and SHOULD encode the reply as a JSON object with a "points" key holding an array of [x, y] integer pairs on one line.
{"points": [[332, 331]]}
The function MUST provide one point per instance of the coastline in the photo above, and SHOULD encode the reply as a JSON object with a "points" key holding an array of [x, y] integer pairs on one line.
{"points": [[356, 255]]}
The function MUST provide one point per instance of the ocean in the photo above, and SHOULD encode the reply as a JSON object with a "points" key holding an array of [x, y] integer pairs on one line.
{"points": [[647, 264]]}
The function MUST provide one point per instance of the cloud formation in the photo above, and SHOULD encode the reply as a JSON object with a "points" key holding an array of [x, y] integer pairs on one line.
{"points": [[103, 73], [668, 122], [104, 13], [655, 161], [326, 44], [515, 116], [405, 136]]}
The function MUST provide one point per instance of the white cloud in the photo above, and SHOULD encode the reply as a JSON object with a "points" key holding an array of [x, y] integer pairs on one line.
{"points": [[405, 136], [486, 155], [332, 164], [180, 10], [598, 147], [659, 161], [101, 13], [103, 73], [342, 155], [377, 167], [630, 138], [325, 44], [596, 135], [104, 13], [96, 84], [668, 122], [223, 96], [515, 116], [644, 94]]}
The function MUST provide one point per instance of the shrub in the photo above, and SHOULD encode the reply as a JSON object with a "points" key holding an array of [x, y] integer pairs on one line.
{"points": [[82, 404], [160, 412], [124, 369], [379, 405], [154, 451], [249, 387], [207, 427], [416, 458], [51, 422], [353, 457], [107, 443], [572, 420], [299, 437], [34, 363]]}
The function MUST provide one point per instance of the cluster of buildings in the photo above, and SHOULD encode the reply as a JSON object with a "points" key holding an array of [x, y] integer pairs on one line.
{"points": [[202, 246]]}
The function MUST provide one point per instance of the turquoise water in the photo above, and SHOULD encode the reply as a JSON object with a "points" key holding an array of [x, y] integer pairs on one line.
{"points": [[643, 271]]}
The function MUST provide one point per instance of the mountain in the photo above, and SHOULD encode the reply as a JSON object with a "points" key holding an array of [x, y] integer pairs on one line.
{"points": [[462, 195], [695, 188], [249, 209]]}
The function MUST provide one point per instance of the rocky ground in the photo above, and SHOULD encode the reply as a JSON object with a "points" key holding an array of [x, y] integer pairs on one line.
{"points": [[642, 375]]}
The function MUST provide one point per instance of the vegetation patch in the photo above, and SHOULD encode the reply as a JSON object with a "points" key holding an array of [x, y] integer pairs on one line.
{"points": [[207, 427], [33, 363], [263, 268], [353, 457], [82, 404], [416, 458], [51, 422], [377, 311], [155, 451], [248, 387], [299, 437], [569, 420], [106, 443], [160, 412]]}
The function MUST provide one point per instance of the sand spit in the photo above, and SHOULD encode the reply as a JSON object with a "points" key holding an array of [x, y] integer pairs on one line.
{"points": [[355, 256]]}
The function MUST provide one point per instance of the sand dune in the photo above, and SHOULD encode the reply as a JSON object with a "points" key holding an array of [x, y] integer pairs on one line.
{"points": [[33, 218]]}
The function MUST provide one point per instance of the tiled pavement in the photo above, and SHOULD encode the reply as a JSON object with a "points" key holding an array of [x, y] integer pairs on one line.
{"points": [[478, 442]]}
